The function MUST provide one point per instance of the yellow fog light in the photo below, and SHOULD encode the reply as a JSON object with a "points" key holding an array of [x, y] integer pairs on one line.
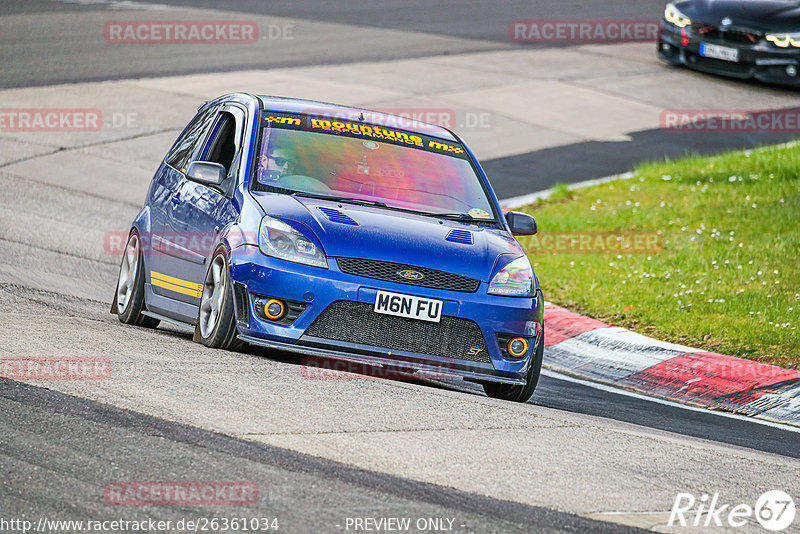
{"points": [[274, 309], [517, 347]]}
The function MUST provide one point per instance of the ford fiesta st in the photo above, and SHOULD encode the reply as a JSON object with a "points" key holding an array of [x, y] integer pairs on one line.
{"points": [[338, 233], [740, 38]]}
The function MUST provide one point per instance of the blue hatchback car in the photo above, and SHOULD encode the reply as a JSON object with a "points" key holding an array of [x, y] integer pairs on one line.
{"points": [[338, 233]]}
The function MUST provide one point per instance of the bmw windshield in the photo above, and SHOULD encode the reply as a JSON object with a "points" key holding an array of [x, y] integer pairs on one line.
{"points": [[368, 164]]}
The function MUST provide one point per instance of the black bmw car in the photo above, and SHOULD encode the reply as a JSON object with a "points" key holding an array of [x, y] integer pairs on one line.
{"points": [[740, 38]]}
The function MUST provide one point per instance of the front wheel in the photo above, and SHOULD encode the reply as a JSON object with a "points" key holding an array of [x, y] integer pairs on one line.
{"points": [[129, 298], [519, 393], [216, 320]]}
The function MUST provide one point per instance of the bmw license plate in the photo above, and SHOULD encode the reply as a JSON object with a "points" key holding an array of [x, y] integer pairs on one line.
{"points": [[725, 53], [408, 306]]}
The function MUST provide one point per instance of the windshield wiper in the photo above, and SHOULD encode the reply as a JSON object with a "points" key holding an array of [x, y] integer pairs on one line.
{"points": [[348, 200], [462, 217]]}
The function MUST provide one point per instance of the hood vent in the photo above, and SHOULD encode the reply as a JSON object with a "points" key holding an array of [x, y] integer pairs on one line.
{"points": [[459, 236], [337, 216]]}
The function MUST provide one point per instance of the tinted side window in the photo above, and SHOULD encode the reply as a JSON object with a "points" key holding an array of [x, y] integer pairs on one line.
{"points": [[187, 143], [222, 148]]}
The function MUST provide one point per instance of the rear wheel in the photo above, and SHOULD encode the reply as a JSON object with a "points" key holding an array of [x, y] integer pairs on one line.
{"points": [[519, 393], [129, 298], [216, 320]]}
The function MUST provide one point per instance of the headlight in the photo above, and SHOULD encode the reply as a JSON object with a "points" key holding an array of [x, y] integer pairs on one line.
{"points": [[675, 17], [514, 280], [279, 240], [783, 40]]}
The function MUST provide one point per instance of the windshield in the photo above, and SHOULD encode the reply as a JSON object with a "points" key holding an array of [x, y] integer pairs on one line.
{"points": [[383, 167]]}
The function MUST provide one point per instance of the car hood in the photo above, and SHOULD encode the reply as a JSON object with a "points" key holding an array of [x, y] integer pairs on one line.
{"points": [[348, 230], [771, 15]]}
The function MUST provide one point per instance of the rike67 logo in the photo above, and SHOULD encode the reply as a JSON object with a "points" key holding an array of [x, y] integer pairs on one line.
{"points": [[774, 511]]}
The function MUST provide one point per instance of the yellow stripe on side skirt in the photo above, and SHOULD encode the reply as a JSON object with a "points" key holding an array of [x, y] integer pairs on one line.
{"points": [[176, 284]]}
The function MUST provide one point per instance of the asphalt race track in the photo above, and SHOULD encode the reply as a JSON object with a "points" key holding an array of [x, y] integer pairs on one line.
{"points": [[576, 458]]}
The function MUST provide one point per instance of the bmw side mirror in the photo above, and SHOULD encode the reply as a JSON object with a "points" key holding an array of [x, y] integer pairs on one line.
{"points": [[206, 173], [521, 223]]}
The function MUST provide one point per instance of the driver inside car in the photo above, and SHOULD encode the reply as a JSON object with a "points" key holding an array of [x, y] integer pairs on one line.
{"points": [[274, 165]]}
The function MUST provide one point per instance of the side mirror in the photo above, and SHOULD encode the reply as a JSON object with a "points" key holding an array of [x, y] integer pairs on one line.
{"points": [[206, 173], [521, 223]]}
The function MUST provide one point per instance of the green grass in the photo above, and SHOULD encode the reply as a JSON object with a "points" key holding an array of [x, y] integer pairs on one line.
{"points": [[727, 276]]}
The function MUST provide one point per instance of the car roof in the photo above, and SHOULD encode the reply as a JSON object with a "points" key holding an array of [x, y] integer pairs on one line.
{"points": [[366, 116]]}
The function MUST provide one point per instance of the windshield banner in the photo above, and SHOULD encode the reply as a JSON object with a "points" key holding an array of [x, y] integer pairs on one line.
{"points": [[328, 124]]}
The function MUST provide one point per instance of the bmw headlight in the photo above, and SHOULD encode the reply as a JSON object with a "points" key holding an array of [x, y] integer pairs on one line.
{"points": [[673, 15], [279, 240], [514, 280], [783, 40]]}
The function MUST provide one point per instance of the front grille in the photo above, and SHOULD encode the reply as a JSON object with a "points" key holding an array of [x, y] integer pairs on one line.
{"points": [[356, 322], [384, 270], [728, 35]]}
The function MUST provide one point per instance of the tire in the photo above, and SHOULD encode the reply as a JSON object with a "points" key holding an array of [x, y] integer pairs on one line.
{"points": [[514, 393], [216, 320], [129, 297]]}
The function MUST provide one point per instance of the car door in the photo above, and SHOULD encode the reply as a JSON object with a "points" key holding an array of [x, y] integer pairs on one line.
{"points": [[199, 212], [165, 243]]}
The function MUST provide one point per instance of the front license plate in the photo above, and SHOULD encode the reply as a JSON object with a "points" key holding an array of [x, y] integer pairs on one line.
{"points": [[408, 306], [724, 53]]}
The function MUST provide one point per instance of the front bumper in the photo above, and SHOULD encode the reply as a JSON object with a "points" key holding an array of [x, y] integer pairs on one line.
{"points": [[316, 290], [761, 60]]}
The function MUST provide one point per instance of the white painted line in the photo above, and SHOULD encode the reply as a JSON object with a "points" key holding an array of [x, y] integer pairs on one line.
{"points": [[625, 392], [524, 200]]}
